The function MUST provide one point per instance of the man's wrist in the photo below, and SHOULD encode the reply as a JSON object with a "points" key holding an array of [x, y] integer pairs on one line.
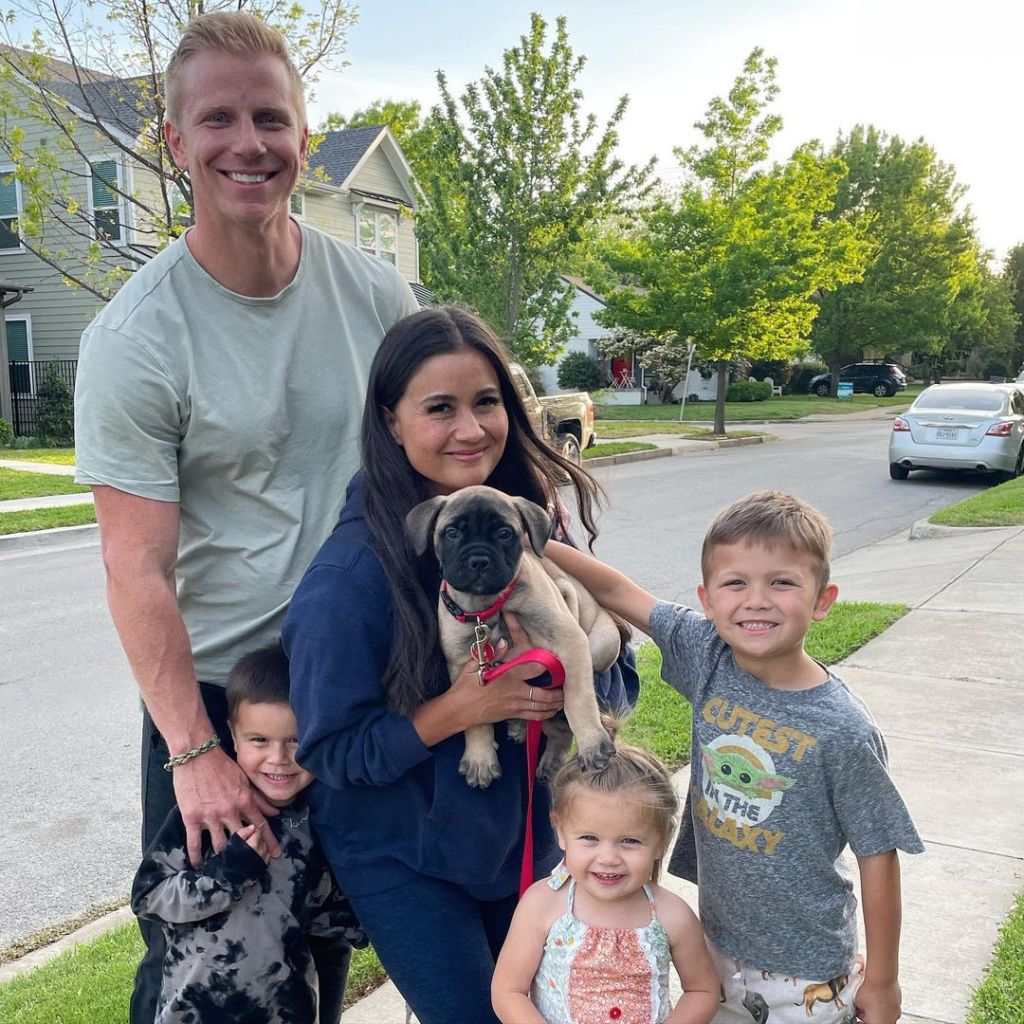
{"points": [[192, 753]]}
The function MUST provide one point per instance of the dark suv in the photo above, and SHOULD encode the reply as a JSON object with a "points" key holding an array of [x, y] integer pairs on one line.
{"points": [[868, 378]]}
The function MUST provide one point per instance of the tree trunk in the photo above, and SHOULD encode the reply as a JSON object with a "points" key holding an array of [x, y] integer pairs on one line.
{"points": [[835, 364], [723, 380]]}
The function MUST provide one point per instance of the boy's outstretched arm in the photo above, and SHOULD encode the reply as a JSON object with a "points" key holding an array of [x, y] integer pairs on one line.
{"points": [[609, 587], [879, 999]]}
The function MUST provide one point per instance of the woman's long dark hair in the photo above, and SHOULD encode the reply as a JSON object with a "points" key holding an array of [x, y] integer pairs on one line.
{"points": [[528, 468]]}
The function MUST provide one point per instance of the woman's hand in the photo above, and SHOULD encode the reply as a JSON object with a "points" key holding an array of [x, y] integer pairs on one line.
{"points": [[508, 695], [466, 703]]}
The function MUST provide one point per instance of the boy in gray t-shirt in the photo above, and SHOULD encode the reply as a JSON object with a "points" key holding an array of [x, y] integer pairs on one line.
{"points": [[788, 769]]}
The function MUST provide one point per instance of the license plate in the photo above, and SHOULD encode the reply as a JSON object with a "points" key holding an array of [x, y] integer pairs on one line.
{"points": [[946, 434]]}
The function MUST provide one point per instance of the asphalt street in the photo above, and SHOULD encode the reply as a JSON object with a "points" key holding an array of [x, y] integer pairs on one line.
{"points": [[69, 719]]}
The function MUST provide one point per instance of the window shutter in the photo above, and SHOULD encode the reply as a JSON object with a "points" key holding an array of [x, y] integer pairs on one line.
{"points": [[104, 174], [8, 197], [17, 340]]}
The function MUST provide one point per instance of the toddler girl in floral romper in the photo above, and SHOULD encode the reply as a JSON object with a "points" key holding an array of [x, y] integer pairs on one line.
{"points": [[594, 942]]}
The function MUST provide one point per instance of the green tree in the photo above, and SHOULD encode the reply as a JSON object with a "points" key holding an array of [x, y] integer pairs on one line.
{"points": [[735, 260], [986, 325], [516, 175], [1013, 274], [91, 77], [921, 252]]}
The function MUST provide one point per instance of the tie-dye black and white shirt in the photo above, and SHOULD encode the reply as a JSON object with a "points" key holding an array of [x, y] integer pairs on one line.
{"points": [[236, 927]]}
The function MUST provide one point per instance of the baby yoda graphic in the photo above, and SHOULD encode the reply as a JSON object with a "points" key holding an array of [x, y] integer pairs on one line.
{"points": [[739, 769]]}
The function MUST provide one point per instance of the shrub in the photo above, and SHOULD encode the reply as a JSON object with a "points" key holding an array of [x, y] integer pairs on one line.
{"points": [[6, 433], [580, 372], [748, 391], [802, 375], [55, 407], [778, 369]]}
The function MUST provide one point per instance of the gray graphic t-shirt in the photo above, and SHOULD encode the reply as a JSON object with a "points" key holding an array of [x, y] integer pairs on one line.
{"points": [[781, 782]]}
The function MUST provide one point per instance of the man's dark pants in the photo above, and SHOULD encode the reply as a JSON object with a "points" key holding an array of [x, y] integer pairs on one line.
{"points": [[330, 956]]}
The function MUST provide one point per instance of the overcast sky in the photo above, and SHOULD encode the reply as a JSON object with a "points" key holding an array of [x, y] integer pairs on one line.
{"points": [[947, 72]]}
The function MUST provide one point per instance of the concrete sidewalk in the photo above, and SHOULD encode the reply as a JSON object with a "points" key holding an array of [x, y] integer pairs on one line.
{"points": [[53, 468], [946, 684]]}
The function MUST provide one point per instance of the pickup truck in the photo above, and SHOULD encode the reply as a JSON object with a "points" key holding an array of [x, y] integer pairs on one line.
{"points": [[565, 421]]}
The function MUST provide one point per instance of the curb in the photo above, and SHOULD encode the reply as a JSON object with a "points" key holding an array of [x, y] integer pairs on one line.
{"points": [[70, 535], [617, 460], [671, 449], [923, 530], [44, 954]]}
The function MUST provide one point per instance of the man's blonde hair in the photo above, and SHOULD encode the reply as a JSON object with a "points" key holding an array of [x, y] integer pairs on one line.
{"points": [[772, 518], [235, 32]]}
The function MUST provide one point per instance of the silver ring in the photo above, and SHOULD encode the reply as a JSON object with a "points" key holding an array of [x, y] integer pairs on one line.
{"points": [[533, 706]]}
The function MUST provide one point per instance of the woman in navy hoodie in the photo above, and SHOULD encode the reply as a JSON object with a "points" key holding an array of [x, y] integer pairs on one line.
{"points": [[430, 863]]}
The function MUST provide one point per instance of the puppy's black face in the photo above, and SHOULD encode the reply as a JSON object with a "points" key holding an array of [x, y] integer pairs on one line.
{"points": [[479, 548]]}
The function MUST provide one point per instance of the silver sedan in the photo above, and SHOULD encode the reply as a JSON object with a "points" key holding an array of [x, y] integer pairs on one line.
{"points": [[960, 426]]}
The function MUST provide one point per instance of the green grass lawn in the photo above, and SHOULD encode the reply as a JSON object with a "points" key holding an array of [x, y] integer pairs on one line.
{"points": [[91, 983], [1002, 505], [613, 430], [999, 999], [16, 483], [617, 448], [784, 407], [59, 456], [46, 518]]}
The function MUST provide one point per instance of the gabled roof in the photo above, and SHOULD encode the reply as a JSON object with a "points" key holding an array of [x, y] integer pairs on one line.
{"points": [[341, 154], [121, 103], [124, 103], [581, 285]]}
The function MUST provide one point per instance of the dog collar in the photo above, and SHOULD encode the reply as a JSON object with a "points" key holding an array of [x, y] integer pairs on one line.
{"points": [[484, 614]]}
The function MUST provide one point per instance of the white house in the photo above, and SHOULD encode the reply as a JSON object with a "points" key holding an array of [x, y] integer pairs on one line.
{"points": [[585, 304], [624, 373]]}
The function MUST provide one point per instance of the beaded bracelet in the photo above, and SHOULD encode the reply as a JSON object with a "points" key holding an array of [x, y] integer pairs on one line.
{"points": [[180, 759]]}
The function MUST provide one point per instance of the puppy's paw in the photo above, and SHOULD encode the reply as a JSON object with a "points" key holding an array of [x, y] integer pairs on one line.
{"points": [[480, 773], [516, 729], [596, 756], [550, 762]]}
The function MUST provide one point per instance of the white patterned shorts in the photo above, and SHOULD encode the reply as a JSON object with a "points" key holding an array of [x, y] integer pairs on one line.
{"points": [[760, 997]]}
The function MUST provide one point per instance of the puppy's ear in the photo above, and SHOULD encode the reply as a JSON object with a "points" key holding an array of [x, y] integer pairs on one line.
{"points": [[419, 523], [536, 522]]}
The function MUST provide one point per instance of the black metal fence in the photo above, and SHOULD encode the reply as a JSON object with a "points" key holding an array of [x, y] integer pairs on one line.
{"points": [[26, 376]]}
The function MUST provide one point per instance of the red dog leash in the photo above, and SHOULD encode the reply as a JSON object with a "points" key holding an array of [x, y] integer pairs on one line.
{"points": [[534, 729]]}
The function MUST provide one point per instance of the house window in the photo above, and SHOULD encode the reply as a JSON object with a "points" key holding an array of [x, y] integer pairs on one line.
{"points": [[297, 204], [106, 203], [19, 350], [10, 209], [378, 233]]}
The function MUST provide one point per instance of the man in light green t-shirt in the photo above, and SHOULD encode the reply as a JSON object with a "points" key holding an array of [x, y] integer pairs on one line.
{"points": [[218, 405]]}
